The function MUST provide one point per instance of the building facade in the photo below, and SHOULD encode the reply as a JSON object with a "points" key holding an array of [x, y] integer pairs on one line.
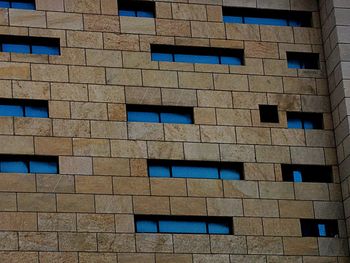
{"points": [[174, 131]]}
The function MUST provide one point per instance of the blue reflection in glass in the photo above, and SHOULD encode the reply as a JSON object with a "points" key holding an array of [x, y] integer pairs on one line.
{"points": [[308, 124], [294, 123], [193, 227], [11, 110], [297, 176], [147, 14], [322, 230], [36, 112], [127, 13], [13, 166], [4, 4], [218, 228], [229, 174], [189, 58], [294, 63], [162, 57], [146, 226], [143, 116], [235, 61], [195, 172], [233, 19], [159, 171], [266, 21], [173, 117], [16, 48], [45, 167], [23, 5], [47, 50]]}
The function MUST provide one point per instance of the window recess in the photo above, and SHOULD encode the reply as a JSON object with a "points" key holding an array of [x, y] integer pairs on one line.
{"points": [[304, 120], [136, 8], [267, 17], [24, 108], [303, 60], [159, 114], [183, 225], [319, 228], [202, 55], [30, 45], [307, 173], [28, 164], [19, 4], [195, 170]]}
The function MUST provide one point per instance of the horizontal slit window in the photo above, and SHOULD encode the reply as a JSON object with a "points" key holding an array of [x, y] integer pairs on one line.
{"points": [[303, 60], [183, 225], [23, 108], [319, 228], [19, 4], [29, 164], [307, 173], [136, 8], [195, 170], [304, 120], [202, 55], [267, 17], [159, 114], [30, 45]]}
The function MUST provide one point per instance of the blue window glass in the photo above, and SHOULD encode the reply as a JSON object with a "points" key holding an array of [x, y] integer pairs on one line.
{"points": [[36, 112], [16, 48], [44, 167], [295, 23], [266, 21], [145, 14], [146, 226], [127, 13], [168, 226], [233, 19], [188, 58], [195, 172], [13, 166], [11, 110], [4, 4], [295, 124], [180, 118], [322, 230], [294, 63], [138, 116], [159, 171], [308, 124], [230, 174], [23, 5], [297, 176], [235, 61], [162, 57], [218, 228], [47, 50]]}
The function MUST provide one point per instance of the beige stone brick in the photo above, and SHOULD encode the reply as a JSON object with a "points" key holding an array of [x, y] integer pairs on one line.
{"points": [[69, 56], [86, 110], [36, 202], [55, 73], [157, 78], [146, 131], [84, 39], [248, 226], [276, 34], [71, 128], [237, 153], [208, 29], [220, 99], [266, 84], [224, 244], [129, 149], [214, 13], [75, 165], [48, 257], [292, 137], [137, 25], [165, 150], [27, 18], [59, 109], [300, 246], [181, 132], [273, 154], [167, 27], [6, 90], [201, 151], [97, 257], [242, 32], [101, 93], [138, 95], [14, 257], [311, 191], [104, 58], [121, 41], [124, 223], [224, 207], [91, 147], [136, 258], [75, 203], [52, 5], [296, 209], [93, 75], [265, 245], [101, 23], [173, 258], [71, 92], [33, 126], [261, 50], [8, 202], [57, 222], [8, 241], [129, 77], [15, 221], [53, 146], [204, 188], [218, 134], [154, 243], [82, 6], [260, 208], [131, 185], [191, 244], [113, 204], [253, 135], [276, 190], [189, 12], [111, 166], [16, 145], [188, 206], [281, 227], [204, 116], [248, 100], [299, 85], [168, 187], [307, 155], [93, 184], [248, 258], [234, 117], [241, 189], [190, 80], [17, 182], [95, 223], [116, 242], [30, 90], [138, 60], [64, 21], [278, 68], [211, 258], [11, 70], [38, 241], [230, 82], [116, 112], [151, 205], [259, 171], [77, 242]]}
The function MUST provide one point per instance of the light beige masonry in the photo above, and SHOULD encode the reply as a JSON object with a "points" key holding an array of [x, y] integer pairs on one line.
{"points": [[88, 212]]}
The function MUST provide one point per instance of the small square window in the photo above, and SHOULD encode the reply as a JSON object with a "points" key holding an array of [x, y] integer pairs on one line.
{"points": [[269, 113]]}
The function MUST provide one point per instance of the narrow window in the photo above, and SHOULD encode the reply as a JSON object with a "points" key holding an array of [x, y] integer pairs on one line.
{"points": [[269, 113], [29, 45], [28, 164], [303, 60], [196, 170], [19, 4], [159, 114], [304, 120], [267, 17], [307, 173], [319, 228], [202, 55], [183, 225], [136, 8], [24, 108]]}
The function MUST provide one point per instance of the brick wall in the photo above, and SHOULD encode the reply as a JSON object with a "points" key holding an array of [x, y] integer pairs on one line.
{"points": [[85, 214]]}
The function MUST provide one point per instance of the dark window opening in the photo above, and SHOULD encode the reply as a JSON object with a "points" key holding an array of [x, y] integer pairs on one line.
{"points": [[304, 120], [183, 225], [19, 4], [136, 8], [24, 108], [30, 45], [319, 228], [203, 55], [307, 173], [159, 114], [28, 164], [195, 170], [303, 60], [269, 113], [267, 17]]}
